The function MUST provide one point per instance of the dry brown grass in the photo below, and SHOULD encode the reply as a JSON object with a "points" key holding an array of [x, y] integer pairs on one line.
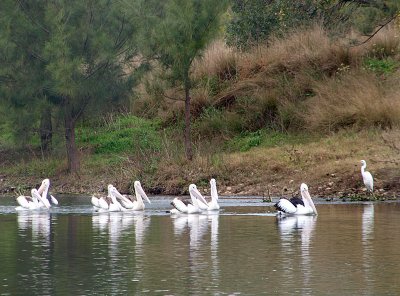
{"points": [[361, 99], [385, 43], [299, 51], [306, 73], [218, 60]]}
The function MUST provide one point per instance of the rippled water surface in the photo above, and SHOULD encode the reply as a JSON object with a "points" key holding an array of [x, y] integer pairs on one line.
{"points": [[349, 249]]}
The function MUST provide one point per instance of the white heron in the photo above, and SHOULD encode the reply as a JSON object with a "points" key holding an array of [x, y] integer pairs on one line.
{"points": [[367, 177], [186, 206], [297, 206], [131, 204]]}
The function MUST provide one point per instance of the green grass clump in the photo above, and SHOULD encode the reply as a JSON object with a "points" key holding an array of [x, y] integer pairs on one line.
{"points": [[124, 134], [381, 66], [265, 138]]}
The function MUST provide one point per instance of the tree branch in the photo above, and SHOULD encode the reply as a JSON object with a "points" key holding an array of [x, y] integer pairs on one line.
{"points": [[380, 27]]}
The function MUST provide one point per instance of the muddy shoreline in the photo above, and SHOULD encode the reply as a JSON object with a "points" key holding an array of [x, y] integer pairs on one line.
{"points": [[322, 189]]}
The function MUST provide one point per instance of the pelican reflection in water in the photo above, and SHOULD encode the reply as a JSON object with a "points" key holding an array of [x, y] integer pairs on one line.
{"points": [[37, 221], [40, 276], [117, 226], [203, 257], [292, 229]]}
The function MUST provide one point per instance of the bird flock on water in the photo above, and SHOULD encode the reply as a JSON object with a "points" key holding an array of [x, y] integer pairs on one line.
{"points": [[114, 201]]}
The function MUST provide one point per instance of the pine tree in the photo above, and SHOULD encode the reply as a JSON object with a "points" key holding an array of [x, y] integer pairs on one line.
{"points": [[73, 53], [176, 32]]}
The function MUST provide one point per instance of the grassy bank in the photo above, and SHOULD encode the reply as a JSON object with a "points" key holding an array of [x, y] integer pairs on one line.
{"points": [[264, 164], [306, 108]]}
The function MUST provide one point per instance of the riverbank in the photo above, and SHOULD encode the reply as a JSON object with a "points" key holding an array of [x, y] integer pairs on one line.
{"points": [[305, 108], [329, 165]]}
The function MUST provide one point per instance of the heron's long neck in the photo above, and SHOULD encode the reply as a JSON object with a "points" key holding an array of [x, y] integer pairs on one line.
{"points": [[363, 168]]}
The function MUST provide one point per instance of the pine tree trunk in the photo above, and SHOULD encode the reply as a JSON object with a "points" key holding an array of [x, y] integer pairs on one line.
{"points": [[72, 152], [188, 141], [46, 130]]}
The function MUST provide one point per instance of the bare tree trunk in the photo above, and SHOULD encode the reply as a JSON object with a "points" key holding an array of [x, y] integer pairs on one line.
{"points": [[188, 141], [46, 130], [72, 152]]}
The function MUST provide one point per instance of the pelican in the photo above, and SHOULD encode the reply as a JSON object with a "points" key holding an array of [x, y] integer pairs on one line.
{"points": [[213, 204], [39, 198], [367, 177], [100, 202], [130, 204], [297, 206], [189, 207], [49, 199], [33, 202], [107, 204]]}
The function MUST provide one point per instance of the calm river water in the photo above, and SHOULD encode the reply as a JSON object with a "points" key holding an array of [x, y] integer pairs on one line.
{"points": [[349, 249]]}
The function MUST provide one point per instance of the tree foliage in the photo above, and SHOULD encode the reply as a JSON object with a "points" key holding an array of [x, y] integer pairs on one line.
{"points": [[254, 21], [175, 32], [74, 54]]}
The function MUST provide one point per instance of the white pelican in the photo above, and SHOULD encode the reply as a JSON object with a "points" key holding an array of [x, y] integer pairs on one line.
{"points": [[50, 199], [100, 202], [367, 177], [108, 203], [213, 204], [131, 204], [186, 206], [297, 206], [33, 202]]}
